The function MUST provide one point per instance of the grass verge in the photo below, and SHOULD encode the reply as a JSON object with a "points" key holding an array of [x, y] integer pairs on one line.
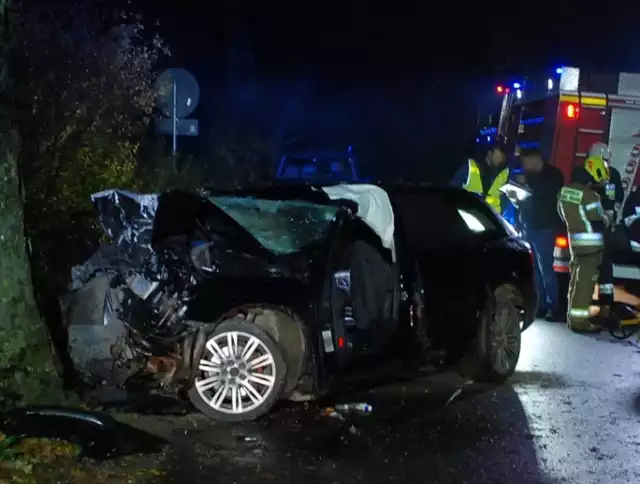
{"points": [[49, 461]]}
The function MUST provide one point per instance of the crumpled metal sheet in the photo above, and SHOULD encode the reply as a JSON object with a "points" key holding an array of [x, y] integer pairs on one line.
{"points": [[99, 262], [126, 217]]}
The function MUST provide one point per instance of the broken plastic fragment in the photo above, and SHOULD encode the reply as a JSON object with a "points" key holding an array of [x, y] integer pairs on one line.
{"points": [[354, 407], [331, 412], [453, 396]]}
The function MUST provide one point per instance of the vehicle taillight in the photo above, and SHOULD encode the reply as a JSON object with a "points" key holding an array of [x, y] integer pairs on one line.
{"points": [[572, 111], [562, 242]]}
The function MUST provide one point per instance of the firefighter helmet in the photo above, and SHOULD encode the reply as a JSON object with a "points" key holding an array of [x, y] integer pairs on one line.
{"points": [[597, 168], [601, 150]]}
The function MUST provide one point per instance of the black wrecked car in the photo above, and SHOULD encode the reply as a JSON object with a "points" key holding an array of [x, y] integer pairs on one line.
{"points": [[239, 300]]}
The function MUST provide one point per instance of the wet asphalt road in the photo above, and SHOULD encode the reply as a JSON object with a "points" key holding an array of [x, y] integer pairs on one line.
{"points": [[570, 415]]}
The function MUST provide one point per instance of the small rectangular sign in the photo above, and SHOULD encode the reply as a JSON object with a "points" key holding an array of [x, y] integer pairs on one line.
{"points": [[184, 127]]}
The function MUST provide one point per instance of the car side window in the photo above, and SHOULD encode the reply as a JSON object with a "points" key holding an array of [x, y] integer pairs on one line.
{"points": [[478, 218], [435, 220]]}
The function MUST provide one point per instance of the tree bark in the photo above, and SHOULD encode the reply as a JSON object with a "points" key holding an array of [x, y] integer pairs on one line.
{"points": [[27, 369]]}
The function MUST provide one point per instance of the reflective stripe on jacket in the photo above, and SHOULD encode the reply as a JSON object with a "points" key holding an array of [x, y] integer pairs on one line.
{"points": [[581, 208], [582, 239], [493, 194]]}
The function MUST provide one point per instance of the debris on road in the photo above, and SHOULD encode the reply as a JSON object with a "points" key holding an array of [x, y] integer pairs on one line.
{"points": [[247, 438], [346, 408], [331, 412], [354, 407], [453, 396]]}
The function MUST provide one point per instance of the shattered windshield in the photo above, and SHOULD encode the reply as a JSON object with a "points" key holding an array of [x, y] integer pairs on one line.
{"points": [[282, 227]]}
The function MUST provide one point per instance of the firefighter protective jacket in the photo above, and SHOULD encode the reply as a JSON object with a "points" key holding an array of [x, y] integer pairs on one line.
{"points": [[581, 209], [491, 194]]}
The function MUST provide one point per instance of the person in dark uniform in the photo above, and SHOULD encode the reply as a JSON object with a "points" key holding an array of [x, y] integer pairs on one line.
{"points": [[611, 196], [541, 223]]}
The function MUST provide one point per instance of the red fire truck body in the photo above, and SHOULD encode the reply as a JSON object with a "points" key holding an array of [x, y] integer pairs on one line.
{"points": [[564, 114]]}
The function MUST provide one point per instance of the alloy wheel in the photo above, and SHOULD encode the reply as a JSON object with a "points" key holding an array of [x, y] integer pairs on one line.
{"points": [[505, 341], [236, 374]]}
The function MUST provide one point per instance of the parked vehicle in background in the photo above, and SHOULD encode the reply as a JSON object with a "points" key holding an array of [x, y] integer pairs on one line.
{"points": [[320, 167], [237, 300]]}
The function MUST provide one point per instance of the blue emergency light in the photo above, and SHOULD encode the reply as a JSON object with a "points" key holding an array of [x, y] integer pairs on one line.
{"points": [[559, 70], [517, 85]]}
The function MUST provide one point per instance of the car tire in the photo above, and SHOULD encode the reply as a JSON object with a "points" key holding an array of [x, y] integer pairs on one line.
{"points": [[225, 388], [496, 348]]}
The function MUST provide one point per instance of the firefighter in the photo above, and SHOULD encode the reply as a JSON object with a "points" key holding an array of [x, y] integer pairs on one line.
{"points": [[486, 179], [611, 195], [580, 207]]}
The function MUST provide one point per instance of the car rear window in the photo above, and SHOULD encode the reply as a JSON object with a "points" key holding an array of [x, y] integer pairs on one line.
{"points": [[283, 227]]}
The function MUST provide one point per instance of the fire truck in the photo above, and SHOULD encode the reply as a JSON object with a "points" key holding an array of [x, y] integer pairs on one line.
{"points": [[562, 113]]}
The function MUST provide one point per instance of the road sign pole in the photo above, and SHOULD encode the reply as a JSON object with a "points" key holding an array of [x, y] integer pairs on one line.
{"points": [[175, 125], [176, 104]]}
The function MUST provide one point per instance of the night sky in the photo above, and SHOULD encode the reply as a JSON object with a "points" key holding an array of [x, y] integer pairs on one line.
{"points": [[429, 65], [365, 39]]}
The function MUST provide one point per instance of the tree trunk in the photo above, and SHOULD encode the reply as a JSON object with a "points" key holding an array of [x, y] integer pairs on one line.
{"points": [[27, 370]]}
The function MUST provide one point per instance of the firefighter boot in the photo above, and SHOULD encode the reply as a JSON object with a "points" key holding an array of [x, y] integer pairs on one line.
{"points": [[605, 318], [582, 323], [583, 326]]}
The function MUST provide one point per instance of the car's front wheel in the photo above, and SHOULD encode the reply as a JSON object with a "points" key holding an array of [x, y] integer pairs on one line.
{"points": [[240, 375], [496, 348]]}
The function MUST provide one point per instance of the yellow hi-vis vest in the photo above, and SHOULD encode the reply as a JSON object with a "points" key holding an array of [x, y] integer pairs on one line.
{"points": [[492, 195]]}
